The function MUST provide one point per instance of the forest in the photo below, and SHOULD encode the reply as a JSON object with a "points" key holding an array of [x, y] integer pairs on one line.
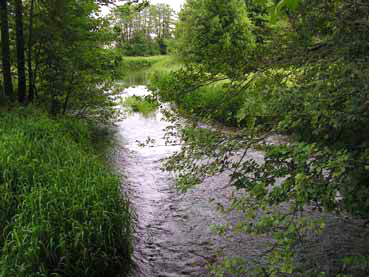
{"points": [[269, 98]]}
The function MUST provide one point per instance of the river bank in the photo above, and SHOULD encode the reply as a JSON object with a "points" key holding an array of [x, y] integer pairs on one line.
{"points": [[62, 208]]}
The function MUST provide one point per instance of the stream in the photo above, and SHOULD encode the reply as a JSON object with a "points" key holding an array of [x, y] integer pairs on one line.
{"points": [[173, 235]]}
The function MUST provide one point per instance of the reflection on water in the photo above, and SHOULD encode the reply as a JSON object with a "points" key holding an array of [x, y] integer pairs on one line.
{"points": [[173, 236]]}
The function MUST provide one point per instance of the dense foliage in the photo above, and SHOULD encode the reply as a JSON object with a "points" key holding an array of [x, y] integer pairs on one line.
{"points": [[68, 66], [62, 211], [215, 34], [300, 69]]}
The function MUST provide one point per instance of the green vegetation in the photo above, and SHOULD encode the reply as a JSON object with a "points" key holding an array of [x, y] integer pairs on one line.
{"points": [[62, 211], [143, 31], [69, 69], [292, 67], [298, 68], [143, 105], [141, 70], [215, 34]]}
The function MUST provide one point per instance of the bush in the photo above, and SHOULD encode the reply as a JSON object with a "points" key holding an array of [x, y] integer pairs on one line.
{"points": [[62, 211]]}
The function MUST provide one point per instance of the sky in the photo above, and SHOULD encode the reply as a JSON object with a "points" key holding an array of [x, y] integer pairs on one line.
{"points": [[175, 4]]}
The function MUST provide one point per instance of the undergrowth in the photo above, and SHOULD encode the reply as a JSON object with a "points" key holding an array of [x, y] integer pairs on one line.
{"points": [[62, 210]]}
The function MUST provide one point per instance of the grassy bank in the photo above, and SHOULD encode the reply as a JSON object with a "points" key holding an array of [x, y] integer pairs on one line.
{"points": [[140, 70], [215, 102], [207, 102], [62, 211]]}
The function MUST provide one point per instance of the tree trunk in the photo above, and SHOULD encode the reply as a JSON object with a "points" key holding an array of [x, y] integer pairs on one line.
{"points": [[30, 71], [66, 102], [20, 51], [8, 86]]}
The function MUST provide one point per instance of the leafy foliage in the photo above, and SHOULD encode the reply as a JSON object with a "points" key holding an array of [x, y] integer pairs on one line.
{"points": [[69, 66], [208, 28], [307, 77]]}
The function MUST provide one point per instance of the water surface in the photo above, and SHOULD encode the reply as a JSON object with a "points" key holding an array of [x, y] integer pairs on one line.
{"points": [[173, 235]]}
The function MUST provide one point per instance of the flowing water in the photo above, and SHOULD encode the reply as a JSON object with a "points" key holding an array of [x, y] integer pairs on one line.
{"points": [[173, 235]]}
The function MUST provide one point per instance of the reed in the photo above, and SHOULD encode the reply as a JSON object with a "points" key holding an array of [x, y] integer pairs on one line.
{"points": [[62, 209]]}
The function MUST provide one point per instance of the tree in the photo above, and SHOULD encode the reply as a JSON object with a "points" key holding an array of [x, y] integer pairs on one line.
{"points": [[55, 31], [8, 86], [30, 47], [145, 31], [20, 52], [217, 34]]}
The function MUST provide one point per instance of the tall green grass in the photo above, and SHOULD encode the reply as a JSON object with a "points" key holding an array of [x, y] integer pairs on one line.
{"points": [[62, 210]]}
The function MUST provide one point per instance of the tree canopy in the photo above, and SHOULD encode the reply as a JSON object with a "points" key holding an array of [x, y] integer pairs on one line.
{"points": [[208, 28]]}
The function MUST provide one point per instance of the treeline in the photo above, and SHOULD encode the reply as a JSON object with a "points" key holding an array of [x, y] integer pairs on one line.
{"points": [[55, 52], [293, 67], [143, 32]]}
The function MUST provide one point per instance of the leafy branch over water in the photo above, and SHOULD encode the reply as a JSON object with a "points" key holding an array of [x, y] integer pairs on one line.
{"points": [[305, 76]]}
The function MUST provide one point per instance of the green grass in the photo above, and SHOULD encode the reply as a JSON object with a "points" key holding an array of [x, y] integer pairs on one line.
{"points": [[139, 70], [211, 102], [139, 104], [165, 64], [62, 210]]}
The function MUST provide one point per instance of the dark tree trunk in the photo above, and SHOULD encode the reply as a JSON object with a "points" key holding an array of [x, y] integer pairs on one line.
{"points": [[31, 91], [20, 51], [66, 101], [8, 87]]}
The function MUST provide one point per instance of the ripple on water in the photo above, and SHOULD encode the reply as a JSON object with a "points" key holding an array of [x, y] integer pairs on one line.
{"points": [[173, 236]]}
